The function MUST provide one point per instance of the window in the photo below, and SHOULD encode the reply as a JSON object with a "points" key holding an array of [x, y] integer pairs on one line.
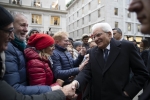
{"points": [[82, 30], [36, 19], [82, 10], [37, 3], [73, 25], [99, 13], [77, 14], [73, 8], [138, 39], [138, 28], [90, 30], [54, 5], [128, 14], [82, 20], [73, 16], [89, 6], [99, 1], [116, 24], [116, 11], [69, 19], [18, 2], [73, 34], [77, 23], [77, 4], [55, 20], [129, 26], [89, 17]]}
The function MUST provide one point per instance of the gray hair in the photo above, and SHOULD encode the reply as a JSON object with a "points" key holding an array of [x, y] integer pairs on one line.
{"points": [[15, 14], [104, 26]]}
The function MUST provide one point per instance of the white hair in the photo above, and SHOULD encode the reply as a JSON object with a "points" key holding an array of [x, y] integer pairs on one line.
{"points": [[15, 14], [104, 26]]}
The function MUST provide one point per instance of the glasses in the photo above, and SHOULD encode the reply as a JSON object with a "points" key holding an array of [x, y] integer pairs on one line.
{"points": [[9, 31]]}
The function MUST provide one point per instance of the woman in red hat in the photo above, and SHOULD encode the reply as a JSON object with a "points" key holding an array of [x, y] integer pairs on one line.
{"points": [[39, 63]]}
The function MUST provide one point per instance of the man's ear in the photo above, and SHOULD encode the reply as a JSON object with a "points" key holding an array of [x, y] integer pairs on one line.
{"points": [[110, 34], [56, 41]]}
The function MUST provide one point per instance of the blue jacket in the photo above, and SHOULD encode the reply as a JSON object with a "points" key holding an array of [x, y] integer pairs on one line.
{"points": [[16, 72], [63, 64]]}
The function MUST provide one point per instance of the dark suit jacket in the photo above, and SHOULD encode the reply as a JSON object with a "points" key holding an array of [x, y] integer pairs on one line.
{"points": [[109, 81], [146, 91]]}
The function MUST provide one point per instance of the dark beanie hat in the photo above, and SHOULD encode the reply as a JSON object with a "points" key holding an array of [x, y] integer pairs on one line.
{"points": [[77, 43], [5, 17], [40, 41], [33, 30]]}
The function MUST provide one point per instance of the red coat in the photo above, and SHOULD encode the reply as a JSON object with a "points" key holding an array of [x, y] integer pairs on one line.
{"points": [[38, 70]]}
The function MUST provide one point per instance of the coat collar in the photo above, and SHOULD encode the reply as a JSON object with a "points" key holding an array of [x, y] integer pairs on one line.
{"points": [[114, 51], [60, 48], [99, 57]]}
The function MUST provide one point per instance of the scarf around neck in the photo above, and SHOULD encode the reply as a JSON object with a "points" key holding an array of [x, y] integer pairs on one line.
{"points": [[21, 44]]}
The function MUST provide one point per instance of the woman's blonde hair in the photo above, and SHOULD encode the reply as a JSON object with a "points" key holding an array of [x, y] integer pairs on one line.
{"points": [[60, 35], [43, 54]]}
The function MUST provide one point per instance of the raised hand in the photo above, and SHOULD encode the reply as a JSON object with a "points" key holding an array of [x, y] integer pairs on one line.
{"points": [[82, 51]]}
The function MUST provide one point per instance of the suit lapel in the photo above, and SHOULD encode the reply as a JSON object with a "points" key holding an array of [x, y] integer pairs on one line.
{"points": [[99, 57], [114, 51]]}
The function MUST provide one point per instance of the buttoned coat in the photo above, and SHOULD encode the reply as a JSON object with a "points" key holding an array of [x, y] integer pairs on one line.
{"points": [[108, 81]]}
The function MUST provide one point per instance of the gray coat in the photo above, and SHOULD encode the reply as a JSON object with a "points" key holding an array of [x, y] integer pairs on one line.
{"points": [[9, 93]]}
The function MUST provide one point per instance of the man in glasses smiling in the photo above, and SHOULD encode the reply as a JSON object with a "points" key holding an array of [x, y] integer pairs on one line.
{"points": [[6, 31], [9, 31]]}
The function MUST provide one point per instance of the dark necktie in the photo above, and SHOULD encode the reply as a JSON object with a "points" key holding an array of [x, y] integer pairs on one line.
{"points": [[105, 54]]}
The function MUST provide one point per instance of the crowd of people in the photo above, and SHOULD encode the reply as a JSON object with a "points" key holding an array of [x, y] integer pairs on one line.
{"points": [[37, 66]]}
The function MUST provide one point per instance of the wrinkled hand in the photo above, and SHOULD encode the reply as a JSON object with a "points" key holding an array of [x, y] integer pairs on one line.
{"points": [[69, 91], [56, 87], [82, 51], [74, 84]]}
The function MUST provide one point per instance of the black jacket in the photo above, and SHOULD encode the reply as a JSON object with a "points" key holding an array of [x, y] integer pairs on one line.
{"points": [[111, 79]]}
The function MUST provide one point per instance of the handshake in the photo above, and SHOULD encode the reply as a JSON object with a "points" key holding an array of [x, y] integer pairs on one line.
{"points": [[68, 90]]}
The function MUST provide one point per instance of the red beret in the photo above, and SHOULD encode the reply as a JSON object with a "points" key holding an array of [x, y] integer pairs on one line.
{"points": [[40, 41]]}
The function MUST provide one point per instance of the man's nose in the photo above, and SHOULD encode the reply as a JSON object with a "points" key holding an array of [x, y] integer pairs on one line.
{"points": [[11, 36], [26, 29], [135, 6]]}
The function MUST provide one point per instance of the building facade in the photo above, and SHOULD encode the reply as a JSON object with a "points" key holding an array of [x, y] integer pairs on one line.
{"points": [[82, 14], [48, 16]]}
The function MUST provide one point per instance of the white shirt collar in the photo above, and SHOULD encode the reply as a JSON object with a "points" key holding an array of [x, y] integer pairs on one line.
{"points": [[108, 46], [121, 39]]}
